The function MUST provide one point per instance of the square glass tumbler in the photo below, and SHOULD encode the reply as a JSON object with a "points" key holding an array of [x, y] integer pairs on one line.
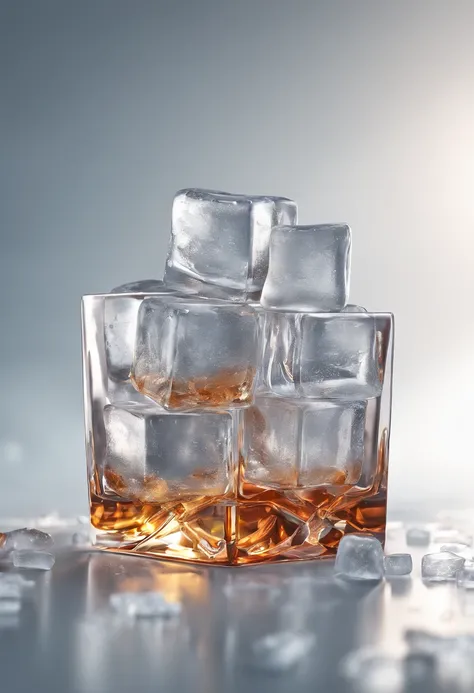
{"points": [[284, 477]]}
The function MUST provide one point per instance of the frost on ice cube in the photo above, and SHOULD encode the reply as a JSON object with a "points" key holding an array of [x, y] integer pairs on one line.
{"points": [[309, 268], [322, 356], [144, 605], [195, 353], [398, 564], [219, 242], [35, 560], [360, 557], [153, 454], [26, 538], [279, 652], [291, 443], [439, 567], [120, 326], [418, 536]]}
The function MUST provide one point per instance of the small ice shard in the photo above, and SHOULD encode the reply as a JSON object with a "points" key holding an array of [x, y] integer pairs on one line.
{"points": [[35, 560], [360, 557], [81, 539], [26, 538], [439, 567], [9, 606], [144, 605], [371, 671], [398, 564], [279, 652], [417, 536]]}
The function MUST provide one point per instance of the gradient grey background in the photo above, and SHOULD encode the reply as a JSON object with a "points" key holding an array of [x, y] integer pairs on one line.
{"points": [[361, 110]]}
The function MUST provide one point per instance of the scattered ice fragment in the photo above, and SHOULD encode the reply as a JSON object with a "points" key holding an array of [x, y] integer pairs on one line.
{"points": [[398, 564], [452, 536], [360, 557], [279, 652], [417, 536], [371, 671], [458, 549], [25, 538], [9, 606], [81, 539], [439, 567], [144, 605], [35, 560], [9, 590]]}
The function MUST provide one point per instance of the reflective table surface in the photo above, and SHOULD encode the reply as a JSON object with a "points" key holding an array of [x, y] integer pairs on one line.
{"points": [[68, 639]]}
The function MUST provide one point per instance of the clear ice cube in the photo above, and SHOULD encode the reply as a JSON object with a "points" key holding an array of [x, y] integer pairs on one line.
{"points": [[144, 605], [360, 557], [293, 443], [27, 538], [321, 356], [309, 268], [280, 652], [36, 560], [219, 241], [154, 454], [398, 564], [120, 327], [439, 567], [196, 354], [418, 536]]}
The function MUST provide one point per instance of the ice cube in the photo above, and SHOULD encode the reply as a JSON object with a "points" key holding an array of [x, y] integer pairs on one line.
{"points": [[144, 605], [439, 567], [352, 308], [196, 353], [398, 564], [219, 241], [280, 652], [9, 606], [371, 671], [418, 536], [120, 327], [309, 268], [36, 560], [360, 557], [26, 538], [322, 356], [294, 443], [143, 286], [154, 454]]}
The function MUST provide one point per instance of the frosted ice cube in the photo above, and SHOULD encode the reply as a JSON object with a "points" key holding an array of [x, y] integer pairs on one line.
{"points": [[156, 454], [418, 536], [322, 356], [398, 564], [280, 652], [26, 538], [293, 443], [219, 241], [37, 560], [309, 268], [120, 326], [360, 557], [439, 567], [144, 605], [196, 353]]}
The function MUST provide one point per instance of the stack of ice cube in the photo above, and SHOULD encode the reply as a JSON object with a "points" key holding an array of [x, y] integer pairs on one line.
{"points": [[252, 315]]}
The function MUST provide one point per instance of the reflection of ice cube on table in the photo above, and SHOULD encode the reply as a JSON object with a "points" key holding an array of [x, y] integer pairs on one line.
{"points": [[294, 443], [319, 355], [192, 353], [219, 241], [155, 455], [309, 268]]}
